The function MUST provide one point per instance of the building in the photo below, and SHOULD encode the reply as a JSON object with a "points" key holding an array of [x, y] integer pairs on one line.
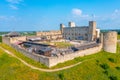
{"points": [[50, 35], [13, 34], [42, 49], [13, 37], [73, 32]]}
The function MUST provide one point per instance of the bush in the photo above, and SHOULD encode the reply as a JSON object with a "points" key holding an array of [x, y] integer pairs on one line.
{"points": [[61, 76], [113, 78], [105, 72], [118, 68], [97, 62], [104, 66], [111, 60]]}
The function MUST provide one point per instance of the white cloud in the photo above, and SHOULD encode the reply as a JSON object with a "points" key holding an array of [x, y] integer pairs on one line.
{"points": [[115, 14], [3, 17], [77, 11], [14, 1], [13, 7], [13, 4], [8, 18], [116, 11]]}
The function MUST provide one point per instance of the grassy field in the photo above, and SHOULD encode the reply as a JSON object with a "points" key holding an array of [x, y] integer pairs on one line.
{"points": [[28, 60], [0, 38], [37, 64], [119, 36], [100, 66], [104, 67]]}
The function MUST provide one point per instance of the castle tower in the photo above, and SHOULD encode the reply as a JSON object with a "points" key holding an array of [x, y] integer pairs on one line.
{"points": [[110, 41], [92, 31], [61, 27], [71, 24]]}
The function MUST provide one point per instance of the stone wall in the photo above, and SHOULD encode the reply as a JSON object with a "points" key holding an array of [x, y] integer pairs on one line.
{"points": [[55, 60], [16, 39], [6, 40], [9, 40], [36, 57], [52, 61]]}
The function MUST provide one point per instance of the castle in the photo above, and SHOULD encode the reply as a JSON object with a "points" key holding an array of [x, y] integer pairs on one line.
{"points": [[51, 56], [73, 32]]}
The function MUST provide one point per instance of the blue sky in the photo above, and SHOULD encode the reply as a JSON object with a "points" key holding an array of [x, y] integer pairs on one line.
{"points": [[38, 15]]}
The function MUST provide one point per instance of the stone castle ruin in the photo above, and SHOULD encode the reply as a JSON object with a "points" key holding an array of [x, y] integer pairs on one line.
{"points": [[51, 56]]}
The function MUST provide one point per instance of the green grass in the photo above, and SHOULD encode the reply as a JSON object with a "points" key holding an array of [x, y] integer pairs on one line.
{"points": [[37, 64], [12, 69], [118, 36], [0, 38], [67, 63], [20, 55]]}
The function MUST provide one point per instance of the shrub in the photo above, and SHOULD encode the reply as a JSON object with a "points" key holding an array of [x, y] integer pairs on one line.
{"points": [[97, 62], [118, 68], [113, 78], [104, 66], [111, 60], [105, 72], [61, 76]]}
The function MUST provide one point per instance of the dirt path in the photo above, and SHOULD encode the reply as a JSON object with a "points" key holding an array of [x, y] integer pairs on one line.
{"points": [[36, 68]]}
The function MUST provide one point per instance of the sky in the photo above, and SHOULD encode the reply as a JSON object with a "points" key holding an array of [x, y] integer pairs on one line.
{"points": [[40, 15]]}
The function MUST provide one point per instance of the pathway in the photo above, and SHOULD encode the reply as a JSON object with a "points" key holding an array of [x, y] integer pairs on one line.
{"points": [[36, 68]]}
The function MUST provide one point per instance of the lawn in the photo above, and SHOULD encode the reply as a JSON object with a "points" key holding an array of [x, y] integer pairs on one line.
{"points": [[100, 66], [19, 54], [104, 67], [37, 64], [0, 38], [119, 36]]}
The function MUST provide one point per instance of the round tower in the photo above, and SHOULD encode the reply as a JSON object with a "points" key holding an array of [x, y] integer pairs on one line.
{"points": [[110, 41]]}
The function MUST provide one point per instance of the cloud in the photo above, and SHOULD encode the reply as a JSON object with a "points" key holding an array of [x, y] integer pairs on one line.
{"points": [[2, 18], [14, 1], [8, 18], [115, 14], [110, 21], [13, 4], [76, 12], [117, 11], [13, 7]]}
